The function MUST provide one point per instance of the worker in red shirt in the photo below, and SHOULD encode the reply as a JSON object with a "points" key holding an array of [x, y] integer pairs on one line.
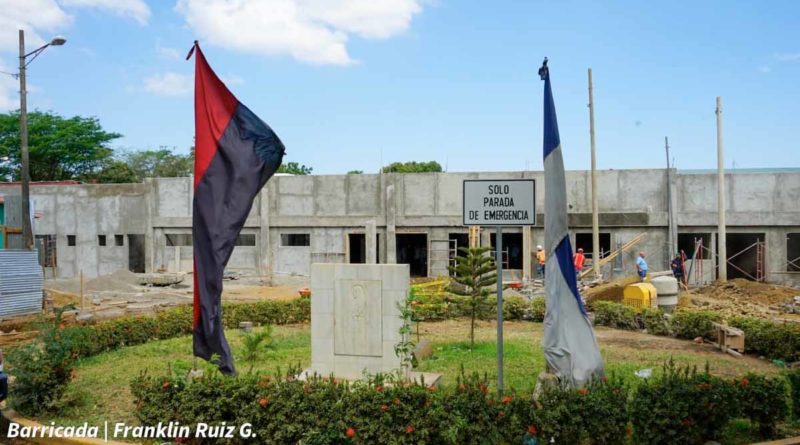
{"points": [[579, 259]]}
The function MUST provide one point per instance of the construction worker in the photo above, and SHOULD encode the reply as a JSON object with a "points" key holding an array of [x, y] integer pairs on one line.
{"points": [[579, 259], [540, 259], [641, 267], [677, 267]]}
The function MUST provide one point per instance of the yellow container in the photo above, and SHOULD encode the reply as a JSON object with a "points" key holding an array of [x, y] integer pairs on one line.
{"points": [[639, 295]]}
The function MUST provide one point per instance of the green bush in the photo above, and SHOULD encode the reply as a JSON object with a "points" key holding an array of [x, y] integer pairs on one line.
{"points": [[615, 315], [514, 307], [538, 309], [42, 371], [770, 339], [693, 324], [324, 411], [793, 376], [763, 401], [595, 414], [655, 323], [681, 406]]}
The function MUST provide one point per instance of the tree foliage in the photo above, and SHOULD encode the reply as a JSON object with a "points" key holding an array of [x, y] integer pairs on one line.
{"points": [[413, 167], [115, 172], [161, 163], [293, 168], [475, 270], [59, 148], [355, 172]]}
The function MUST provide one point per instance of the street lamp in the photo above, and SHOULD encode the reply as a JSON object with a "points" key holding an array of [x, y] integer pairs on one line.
{"points": [[27, 233]]}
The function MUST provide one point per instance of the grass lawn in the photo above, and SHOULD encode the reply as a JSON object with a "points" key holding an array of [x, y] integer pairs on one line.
{"points": [[100, 390]]}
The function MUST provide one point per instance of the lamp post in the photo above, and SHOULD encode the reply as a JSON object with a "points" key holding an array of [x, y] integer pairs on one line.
{"points": [[25, 178]]}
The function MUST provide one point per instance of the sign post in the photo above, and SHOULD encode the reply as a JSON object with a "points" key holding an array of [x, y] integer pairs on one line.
{"points": [[499, 203]]}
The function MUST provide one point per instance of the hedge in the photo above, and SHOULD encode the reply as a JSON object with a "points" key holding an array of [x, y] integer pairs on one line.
{"points": [[693, 324], [109, 335], [325, 411], [677, 406], [770, 339], [793, 377], [615, 315]]}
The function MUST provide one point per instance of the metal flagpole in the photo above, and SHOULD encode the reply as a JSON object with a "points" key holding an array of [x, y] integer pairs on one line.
{"points": [[498, 256]]}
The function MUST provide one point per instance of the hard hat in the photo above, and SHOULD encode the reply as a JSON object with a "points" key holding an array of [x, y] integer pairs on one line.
{"points": [[580, 250], [539, 247]]}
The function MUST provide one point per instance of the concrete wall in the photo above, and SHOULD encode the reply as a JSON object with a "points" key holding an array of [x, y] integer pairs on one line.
{"points": [[328, 208]]}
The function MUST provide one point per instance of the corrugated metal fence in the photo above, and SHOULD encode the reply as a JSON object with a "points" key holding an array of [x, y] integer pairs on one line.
{"points": [[20, 282]]}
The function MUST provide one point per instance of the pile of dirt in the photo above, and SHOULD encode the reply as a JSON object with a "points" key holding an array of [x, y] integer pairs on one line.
{"points": [[119, 281], [742, 297], [752, 291], [609, 290]]}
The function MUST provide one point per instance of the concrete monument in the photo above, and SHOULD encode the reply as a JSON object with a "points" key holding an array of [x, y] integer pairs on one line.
{"points": [[355, 318]]}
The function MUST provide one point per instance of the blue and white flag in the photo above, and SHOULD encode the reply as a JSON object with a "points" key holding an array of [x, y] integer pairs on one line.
{"points": [[570, 348]]}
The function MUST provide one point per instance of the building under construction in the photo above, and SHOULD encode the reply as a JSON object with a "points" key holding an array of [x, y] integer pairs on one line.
{"points": [[417, 219]]}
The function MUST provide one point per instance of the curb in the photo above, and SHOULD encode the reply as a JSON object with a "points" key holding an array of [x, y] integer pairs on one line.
{"points": [[9, 415]]}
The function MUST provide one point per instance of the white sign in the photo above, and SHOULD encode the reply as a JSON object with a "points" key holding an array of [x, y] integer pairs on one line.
{"points": [[490, 202]]}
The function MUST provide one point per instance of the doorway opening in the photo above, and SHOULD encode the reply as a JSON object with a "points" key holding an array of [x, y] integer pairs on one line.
{"points": [[512, 250], [412, 249], [136, 253], [584, 241], [745, 255], [357, 246]]}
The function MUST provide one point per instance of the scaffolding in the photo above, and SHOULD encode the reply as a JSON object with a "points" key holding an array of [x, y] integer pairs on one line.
{"points": [[760, 250]]}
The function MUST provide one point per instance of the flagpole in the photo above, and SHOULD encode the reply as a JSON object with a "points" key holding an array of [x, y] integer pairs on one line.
{"points": [[498, 257], [595, 216]]}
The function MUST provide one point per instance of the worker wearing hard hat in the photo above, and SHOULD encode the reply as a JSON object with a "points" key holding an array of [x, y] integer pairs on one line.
{"points": [[580, 258], [541, 260]]}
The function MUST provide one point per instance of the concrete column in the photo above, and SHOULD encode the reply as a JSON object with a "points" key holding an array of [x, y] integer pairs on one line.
{"points": [[527, 249], [177, 258], [150, 197], [369, 235], [391, 216], [486, 238], [264, 260]]}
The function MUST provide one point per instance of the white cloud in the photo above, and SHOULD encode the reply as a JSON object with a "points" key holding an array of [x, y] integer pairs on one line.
{"points": [[42, 18], [175, 84], [34, 16], [312, 31], [168, 53], [787, 57], [169, 84], [133, 9], [9, 89], [231, 80]]}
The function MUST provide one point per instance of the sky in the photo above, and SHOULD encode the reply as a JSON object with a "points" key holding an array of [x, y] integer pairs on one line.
{"points": [[356, 84]]}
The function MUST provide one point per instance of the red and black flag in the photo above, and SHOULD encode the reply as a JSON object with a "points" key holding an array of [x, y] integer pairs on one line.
{"points": [[235, 154]]}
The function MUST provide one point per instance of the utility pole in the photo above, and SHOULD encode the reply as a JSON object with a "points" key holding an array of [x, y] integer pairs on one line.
{"points": [[27, 233], [670, 210], [595, 216], [722, 254]]}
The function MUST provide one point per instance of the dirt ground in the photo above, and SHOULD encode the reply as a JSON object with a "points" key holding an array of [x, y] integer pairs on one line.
{"points": [[743, 297], [733, 298]]}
